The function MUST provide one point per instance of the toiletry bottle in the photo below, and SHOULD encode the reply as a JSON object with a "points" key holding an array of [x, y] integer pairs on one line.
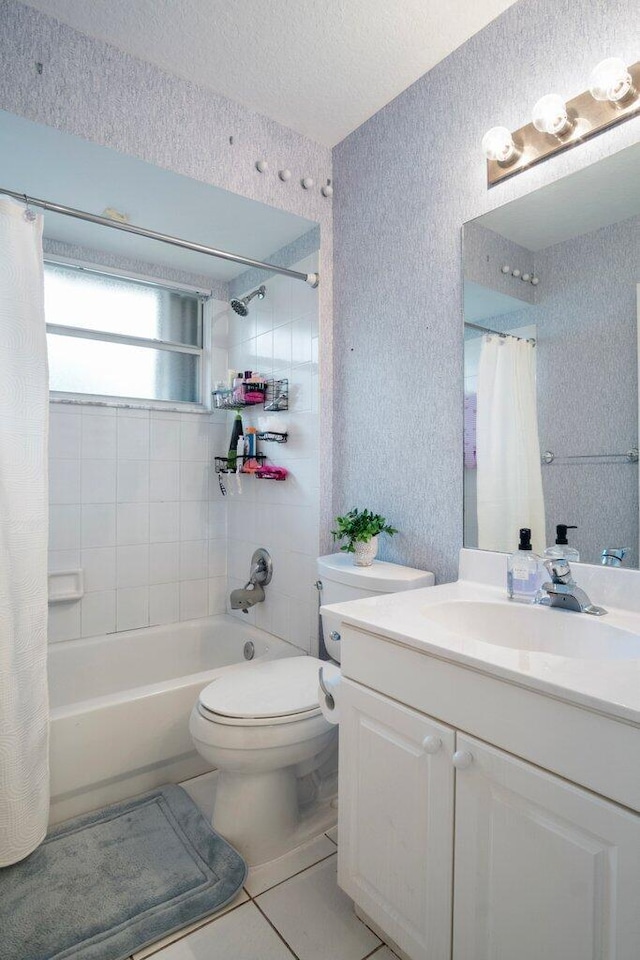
{"points": [[524, 571], [561, 549], [236, 433]]}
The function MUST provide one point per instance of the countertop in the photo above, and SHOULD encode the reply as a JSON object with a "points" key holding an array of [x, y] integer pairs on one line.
{"points": [[608, 686]]}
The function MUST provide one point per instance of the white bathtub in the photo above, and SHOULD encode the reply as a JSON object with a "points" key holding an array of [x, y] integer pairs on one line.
{"points": [[120, 706]]}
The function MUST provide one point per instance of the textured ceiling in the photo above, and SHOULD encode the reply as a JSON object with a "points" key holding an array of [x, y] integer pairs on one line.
{"points": [[320, 68]]}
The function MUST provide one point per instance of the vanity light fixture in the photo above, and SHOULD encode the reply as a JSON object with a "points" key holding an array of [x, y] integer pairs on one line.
{"points": [[550, 116], [611, 80], [498, 145], [613, 96]]}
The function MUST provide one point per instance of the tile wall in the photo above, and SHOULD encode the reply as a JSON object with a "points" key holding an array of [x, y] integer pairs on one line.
{"points": [[280, 338], [133, 502]]}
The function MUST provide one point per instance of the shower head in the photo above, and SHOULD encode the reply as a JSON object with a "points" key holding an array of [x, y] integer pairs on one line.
{"points": [[241, 307]]}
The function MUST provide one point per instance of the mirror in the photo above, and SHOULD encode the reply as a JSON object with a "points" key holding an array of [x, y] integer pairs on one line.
{"points": [[551, 300]]}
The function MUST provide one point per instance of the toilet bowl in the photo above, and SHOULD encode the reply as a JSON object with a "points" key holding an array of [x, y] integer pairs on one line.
{"points": [[262, 727]]}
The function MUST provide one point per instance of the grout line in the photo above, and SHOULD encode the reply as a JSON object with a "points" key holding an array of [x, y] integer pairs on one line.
{"points": [[256, 905], [296, 874], [183, 936], [331, 838]]}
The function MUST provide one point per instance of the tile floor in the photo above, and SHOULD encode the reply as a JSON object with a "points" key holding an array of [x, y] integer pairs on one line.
{"points": [[289, 909]]}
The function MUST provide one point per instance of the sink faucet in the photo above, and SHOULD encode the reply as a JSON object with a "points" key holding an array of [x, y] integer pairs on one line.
{"points": [[562, 590], [613, 556]]}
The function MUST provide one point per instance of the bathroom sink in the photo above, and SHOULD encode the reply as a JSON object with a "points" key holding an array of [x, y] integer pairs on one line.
{"points": [[535, 629]]}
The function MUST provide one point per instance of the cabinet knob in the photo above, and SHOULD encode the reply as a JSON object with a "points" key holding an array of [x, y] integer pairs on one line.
{"points": [[431, 744], [462, 759]]}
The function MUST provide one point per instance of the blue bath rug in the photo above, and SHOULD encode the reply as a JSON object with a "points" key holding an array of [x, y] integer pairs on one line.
{"points": [[108, 883]]}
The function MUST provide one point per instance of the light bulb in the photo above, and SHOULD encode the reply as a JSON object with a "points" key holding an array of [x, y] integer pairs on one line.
{"points": [[610, 80], [550, 115], [498, 145]]}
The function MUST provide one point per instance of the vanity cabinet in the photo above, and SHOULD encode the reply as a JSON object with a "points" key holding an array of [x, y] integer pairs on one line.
{"points": [[539, 867]]}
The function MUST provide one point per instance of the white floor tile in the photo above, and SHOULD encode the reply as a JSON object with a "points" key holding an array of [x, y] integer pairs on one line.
{"points": [[333, 834], [316, 918], [159, 945], [243, 934], [269, 874]]}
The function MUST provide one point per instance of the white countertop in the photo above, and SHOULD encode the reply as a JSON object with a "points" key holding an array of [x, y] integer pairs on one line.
{"points": [[609, 686]]}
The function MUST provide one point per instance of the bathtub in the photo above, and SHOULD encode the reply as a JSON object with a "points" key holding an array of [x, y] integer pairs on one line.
{"points": [[120, 706]]}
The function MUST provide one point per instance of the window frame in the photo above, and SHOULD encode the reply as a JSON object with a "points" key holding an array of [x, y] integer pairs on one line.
{"points": [[203, 405]]}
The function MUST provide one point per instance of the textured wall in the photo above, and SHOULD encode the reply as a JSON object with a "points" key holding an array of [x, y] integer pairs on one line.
{"points": [[406, 181], [93, 90]]}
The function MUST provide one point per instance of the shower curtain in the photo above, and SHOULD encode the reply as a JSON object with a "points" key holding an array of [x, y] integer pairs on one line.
{"points": [[509, 475], [24, 397]]}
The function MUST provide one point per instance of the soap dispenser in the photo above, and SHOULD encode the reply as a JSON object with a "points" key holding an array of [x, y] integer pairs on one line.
{"points": [[525, 571], [561, 549]]}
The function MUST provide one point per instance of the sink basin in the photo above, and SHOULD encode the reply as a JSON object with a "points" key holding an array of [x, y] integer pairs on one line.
{"points": [[535, 629]]}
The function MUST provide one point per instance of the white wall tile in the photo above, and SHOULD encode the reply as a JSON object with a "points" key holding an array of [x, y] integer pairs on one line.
{"points": [[98, 481], [217, 558], [164, 560], [282, 346], [64, 481], [132, 566], [301, 340], [64, 621], [132, 608], [217, 520], [133, 523], [193, 560], [99, 565], [165, 440], [98, 525], [62, 560], [194, 599], [133, 438], [194, 483], [194, 439], [98, 613], [164, 480], [64, 527], [64, 435], [194, 520], [164, 603], [217, 595], [133, 481], [164, 522], [98, 436]]}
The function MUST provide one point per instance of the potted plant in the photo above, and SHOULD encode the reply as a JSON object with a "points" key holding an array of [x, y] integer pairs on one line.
{"points": [[361, 528]]}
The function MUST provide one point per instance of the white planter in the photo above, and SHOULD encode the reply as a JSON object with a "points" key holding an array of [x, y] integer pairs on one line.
{"points": [[365, 553]]}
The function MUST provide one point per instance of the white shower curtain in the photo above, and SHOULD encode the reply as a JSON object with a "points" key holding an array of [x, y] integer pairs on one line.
{"points": [[24, 396], [507, 447]]}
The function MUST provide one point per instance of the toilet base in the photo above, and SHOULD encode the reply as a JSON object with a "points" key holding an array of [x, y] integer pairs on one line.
{"points": [[259, 814]]}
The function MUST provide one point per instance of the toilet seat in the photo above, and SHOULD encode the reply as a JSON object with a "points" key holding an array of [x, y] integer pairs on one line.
{"points": [[269, 693]]}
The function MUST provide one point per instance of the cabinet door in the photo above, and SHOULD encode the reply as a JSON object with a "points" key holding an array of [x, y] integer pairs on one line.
{"points": [[543, 869], [395, 850]]}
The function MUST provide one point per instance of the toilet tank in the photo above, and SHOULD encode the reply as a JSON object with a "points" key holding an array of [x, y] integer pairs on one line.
{"points": [[342, 580]]}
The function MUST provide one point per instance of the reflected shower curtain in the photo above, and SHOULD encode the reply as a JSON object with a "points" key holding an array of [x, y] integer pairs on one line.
{"points": [[24, 397], [507, 447]]}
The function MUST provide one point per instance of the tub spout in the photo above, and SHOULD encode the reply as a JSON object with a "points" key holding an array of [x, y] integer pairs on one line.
{"points": [[245, 598]]}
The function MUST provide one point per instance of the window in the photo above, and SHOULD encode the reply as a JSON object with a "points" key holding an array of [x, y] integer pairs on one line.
{"points": [[114, 336]]}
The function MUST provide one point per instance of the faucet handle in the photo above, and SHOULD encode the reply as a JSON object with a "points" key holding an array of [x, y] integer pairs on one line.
{"points": [[559, 570], [613, 556]]}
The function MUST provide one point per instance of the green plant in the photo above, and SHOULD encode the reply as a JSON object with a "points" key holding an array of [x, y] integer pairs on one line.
{"points": [[359, 526]]}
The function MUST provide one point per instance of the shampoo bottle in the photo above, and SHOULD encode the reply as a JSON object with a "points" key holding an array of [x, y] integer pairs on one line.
{"points": [[561, 549], [524, 571]]}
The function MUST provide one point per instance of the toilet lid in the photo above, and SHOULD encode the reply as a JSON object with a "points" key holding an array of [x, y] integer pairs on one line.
{"points": [[273, 688]]}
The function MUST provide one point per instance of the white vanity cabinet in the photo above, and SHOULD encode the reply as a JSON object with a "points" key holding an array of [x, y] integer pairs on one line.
{"points": [[458, 850]]}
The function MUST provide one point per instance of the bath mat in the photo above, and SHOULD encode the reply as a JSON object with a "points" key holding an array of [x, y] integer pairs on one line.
{"points": [[108, 883]]}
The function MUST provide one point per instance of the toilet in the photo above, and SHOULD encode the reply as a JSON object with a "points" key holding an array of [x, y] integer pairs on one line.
{"points": [[262, 727]]}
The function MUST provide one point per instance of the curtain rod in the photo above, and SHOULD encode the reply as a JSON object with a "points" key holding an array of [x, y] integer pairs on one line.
{"points": [[310, 278], [498, 333]]}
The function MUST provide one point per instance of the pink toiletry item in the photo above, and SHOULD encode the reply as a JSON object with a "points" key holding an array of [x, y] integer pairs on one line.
{"points": [[271, 473]]}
